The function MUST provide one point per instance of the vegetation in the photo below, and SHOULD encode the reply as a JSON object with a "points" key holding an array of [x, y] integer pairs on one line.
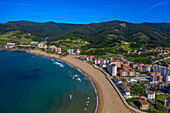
{"points": [[160, 26], [157, 108], [108, 33], [161, 97], [137, 89]]}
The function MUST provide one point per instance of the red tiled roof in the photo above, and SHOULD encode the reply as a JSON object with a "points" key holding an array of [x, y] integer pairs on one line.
{"points": [[150, 92], [143, 102], [102, 63], [127, 90], [117, 78], [124, 85]]}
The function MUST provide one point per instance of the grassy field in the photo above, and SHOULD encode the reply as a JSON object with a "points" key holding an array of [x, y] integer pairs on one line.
{"points": [[13, 37], [66, 44], [167, 61], [161, 97]]}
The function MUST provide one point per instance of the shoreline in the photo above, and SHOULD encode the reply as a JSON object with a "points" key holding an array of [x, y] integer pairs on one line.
{"points": [[78, 68], [108, 100]]}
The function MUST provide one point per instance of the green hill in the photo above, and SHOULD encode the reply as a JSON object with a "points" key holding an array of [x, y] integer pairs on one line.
{"points": [[160, 26], [41, 29], [109, 33]]}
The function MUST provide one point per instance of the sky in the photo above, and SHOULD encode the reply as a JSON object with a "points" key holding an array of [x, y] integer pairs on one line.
{"points": [[85, 11]]}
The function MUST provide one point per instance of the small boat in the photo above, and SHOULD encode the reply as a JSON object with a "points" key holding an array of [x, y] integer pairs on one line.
{"points": [[34, 56]]}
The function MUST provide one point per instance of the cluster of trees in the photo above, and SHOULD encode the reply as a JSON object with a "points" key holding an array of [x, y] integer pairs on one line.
{"points": [[138, 89]]}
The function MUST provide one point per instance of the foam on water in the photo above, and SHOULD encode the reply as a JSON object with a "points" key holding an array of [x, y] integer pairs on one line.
{"points": [[76, 77], [70, 97], [57, 63]]}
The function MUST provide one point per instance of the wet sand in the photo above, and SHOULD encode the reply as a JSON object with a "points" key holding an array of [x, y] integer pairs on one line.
{"points": [[108, 99]]}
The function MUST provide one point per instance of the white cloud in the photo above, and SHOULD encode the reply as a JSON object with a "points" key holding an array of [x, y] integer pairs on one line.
{"points": [[159, 4]]}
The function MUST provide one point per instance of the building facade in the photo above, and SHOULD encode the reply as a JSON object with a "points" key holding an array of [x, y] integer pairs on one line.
{"points": [[112, 69]]}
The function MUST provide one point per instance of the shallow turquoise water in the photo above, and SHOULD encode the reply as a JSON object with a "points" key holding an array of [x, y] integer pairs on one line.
{"points": [[42, 85]]}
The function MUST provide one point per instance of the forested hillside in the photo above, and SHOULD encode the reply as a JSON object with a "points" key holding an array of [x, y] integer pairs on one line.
{"points": [[108, 33]]}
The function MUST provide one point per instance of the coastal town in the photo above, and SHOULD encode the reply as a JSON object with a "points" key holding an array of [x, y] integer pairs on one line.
{"points": [[144, 86]]}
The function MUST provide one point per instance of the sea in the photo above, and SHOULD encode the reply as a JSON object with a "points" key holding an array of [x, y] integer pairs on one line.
{"points": [[33, 84]]}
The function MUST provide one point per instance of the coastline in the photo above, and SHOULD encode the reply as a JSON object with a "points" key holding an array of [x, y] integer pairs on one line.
{"points": [[107, 98]]}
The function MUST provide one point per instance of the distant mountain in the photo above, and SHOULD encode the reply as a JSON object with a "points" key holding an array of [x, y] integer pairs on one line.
{"points": [[160, 26], [108, 33], [41, 29]]}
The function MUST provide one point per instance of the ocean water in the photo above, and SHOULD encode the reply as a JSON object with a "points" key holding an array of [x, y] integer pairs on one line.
{"points": [[31, 84]]}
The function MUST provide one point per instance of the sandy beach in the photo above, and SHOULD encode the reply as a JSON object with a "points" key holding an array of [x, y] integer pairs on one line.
{"points": [[109, 101]]}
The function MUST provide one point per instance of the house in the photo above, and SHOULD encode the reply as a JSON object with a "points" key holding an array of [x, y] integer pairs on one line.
{"points": [[59, 48], [90, 58], [41, 45], [103, 65], [97, 61], [53, 47], [123, 73], [156, 77], [70, 51], [45, 46], [10, 45], [134, 65], [126, 66], [141, 67], [132, 73], [125, 89], [104, 61], [143, 104], [77, 50], [117, 63], [117, 80], [83, 57], [150, 95], [112, 69], [148, 68], [167, 102]]}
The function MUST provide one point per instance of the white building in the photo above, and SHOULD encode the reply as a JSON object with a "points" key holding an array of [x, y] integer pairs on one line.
{"points": [[97, 61], [10, 45], [112, 69], [34, 43], [150, 95], [41, 45], [70, 51]]}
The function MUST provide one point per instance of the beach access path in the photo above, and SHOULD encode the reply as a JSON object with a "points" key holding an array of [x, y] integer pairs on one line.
{"points": [[109, 100]]}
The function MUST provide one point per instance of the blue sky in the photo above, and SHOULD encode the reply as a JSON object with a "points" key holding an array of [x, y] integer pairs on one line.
{"points": [[85, 11]]}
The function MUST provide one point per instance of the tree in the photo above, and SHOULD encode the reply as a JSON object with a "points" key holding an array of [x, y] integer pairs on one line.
{"points": [[154, 88]]}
